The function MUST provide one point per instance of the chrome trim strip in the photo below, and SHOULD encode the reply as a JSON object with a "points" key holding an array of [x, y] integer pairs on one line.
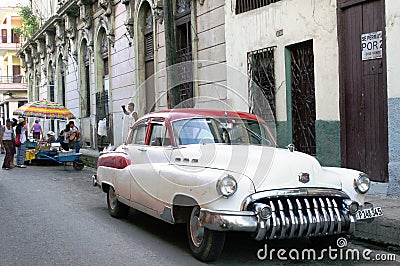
{"points": [[294, 223], [311, 221], [302, 223], [283, 220], [338, 217], [292, 193], [274, 221], [262, 229], [245, 221], [317, 218], [332, 217], [352, 225], [326, 217]]}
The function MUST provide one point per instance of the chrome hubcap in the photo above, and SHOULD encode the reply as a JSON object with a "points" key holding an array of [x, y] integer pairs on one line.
{"points": [[196, 228], [112, 198]]}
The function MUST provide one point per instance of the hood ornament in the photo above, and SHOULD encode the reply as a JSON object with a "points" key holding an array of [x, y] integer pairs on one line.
{"points": [[291, 147], [304, 177]]}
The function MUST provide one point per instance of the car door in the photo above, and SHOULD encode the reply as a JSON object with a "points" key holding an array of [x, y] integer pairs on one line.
{"points": [[136, 140], [153, 156]]}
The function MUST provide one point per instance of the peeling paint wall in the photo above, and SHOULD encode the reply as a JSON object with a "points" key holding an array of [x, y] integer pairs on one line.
{"points": [[299, 21]]}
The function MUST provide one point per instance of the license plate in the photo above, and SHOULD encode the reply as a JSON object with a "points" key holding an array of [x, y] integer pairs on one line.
{"points": [[369, 213]]}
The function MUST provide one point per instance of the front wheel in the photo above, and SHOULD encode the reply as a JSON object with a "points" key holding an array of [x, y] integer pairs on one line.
{"points": [[116, 208], [206, 245]]}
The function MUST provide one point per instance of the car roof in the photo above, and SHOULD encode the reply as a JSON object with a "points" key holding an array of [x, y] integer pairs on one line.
{"points": [[176, 114]]}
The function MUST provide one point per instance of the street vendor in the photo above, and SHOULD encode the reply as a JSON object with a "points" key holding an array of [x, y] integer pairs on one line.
{"points": [[51, 137]]}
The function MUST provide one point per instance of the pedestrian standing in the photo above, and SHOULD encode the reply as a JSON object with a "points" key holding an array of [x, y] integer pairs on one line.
{"points": [[7, 139], [22, 130], [37, 130], [1, 144], [13, 150], [75, 137]]}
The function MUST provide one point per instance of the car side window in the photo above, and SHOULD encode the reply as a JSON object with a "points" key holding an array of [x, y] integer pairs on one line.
{"points": [[139, 134], [159, 135]]}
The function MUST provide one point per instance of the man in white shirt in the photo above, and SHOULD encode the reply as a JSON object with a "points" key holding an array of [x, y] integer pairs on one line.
{"points": [[133, 117]]}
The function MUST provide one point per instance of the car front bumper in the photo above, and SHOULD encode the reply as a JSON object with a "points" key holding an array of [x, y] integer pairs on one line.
{"points": [[299, 223]]}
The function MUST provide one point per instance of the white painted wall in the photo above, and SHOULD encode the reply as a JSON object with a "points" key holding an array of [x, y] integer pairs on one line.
{"points": [[300, 21], [122, 75], [392, 11]]}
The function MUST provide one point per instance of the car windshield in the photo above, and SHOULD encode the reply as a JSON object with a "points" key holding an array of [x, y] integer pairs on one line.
{"points": [[222, 130]]}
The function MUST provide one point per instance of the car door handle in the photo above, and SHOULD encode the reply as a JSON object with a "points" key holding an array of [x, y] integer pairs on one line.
{"points": [[142, 149]]}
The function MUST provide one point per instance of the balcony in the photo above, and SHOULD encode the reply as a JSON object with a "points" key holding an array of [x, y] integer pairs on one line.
{"points": [[12, 79], [13, 83]]}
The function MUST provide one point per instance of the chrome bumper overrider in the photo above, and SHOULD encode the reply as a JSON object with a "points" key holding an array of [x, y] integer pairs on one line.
{"points": [[290, 217]]}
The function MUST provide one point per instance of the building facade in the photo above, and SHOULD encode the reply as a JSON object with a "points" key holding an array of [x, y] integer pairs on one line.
{"points": [[13, 89], [325, 69]]}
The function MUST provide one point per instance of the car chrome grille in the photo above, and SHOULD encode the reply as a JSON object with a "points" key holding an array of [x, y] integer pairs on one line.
{"points": [[296, 217]]}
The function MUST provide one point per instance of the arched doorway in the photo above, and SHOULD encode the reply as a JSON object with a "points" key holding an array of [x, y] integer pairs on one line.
{"points": [[84, 70], [103, 90]]}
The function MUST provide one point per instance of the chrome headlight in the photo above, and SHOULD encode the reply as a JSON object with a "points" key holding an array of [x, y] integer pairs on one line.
{"points": [[362, 183], [226, 186]]}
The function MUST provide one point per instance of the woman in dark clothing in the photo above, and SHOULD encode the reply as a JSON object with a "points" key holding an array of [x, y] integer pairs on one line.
{"points": [[7, 138]]}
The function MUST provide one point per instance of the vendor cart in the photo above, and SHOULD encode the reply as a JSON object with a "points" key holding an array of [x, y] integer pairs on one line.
{"points": [[66, 158]]}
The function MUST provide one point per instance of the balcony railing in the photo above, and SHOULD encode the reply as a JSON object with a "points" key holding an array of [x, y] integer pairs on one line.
{"points": [[12, 79]]}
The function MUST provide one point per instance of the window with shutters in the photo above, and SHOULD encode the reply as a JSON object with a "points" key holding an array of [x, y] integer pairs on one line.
{"points": [[149, 50], [247, 5], [148, 37]]}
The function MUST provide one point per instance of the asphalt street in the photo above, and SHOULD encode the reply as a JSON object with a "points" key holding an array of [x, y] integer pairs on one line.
{"points": [[50, 215]]}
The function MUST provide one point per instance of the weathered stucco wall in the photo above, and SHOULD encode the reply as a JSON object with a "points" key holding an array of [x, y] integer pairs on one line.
{"points": [[122, 73], [298, 21]]}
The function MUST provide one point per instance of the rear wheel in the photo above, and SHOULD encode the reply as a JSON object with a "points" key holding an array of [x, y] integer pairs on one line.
{"points": [[116, 208], [205, 245]]}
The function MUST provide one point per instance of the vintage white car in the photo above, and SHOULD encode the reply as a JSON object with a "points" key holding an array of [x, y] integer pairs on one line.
{"points": [[221, 171]]}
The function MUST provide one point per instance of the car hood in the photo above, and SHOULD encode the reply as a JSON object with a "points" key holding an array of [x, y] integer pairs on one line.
{"points": [[267, 167]]}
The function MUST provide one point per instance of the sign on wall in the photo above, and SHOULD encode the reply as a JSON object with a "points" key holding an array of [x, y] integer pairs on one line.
{"points": [[371, 45]]}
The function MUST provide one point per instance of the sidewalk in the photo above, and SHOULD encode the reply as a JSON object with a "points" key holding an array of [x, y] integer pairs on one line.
{"points": [[383, 230], [89, 157]]}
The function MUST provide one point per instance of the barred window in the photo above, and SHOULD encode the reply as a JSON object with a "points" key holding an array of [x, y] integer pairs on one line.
{"points": [[247, 5], [261, 71]]}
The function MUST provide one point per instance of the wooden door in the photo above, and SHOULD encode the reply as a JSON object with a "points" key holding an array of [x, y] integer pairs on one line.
{"points": [[363, 99]]}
